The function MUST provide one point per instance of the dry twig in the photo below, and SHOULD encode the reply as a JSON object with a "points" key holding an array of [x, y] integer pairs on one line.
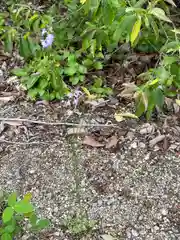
{"points": [[57, 123]]}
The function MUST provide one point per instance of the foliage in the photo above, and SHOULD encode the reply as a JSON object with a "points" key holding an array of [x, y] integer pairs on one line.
{"points": [[61, 50], [78, 225], [14, 211]]}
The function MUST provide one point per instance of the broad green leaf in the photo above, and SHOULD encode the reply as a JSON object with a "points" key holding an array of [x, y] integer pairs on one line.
{"points": [[74, 80], [70, 71], [98, 65], [19, 72], [135, 31], [8, 42], [33, 219], [125, 26], [168, 60], [7, 214], [153, 82], [9, 228], [160, 14], [24, 48], [6, 236], [31, 81], [43, 223], [23, 207], [27, 197], [12, 199]]}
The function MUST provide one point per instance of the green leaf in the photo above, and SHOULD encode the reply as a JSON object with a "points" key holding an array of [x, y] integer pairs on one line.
{"points": [[74, 80], [12, 199], [70, 71], [9, 229], [8, 42], [168, 60], [30, 82], [27, 197], [43, 223], [125, 26], [19, 72], [82, 69], [135, 31], [98, 65], [6, 236], [24, 48], [155, 27], [23, 207], [33, 219], [160, 14], [7, 214]]}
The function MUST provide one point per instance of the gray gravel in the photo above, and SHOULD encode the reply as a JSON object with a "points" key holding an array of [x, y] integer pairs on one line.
{"points": [[133, 191]]}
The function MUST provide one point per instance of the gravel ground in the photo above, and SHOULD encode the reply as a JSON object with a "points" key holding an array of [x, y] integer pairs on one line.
{"points": [[133, 191]]}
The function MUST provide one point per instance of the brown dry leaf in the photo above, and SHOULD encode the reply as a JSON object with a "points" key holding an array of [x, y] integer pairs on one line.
{"points": [[76, 131], [90, 141], [6, 98], [112, 142], [129, 89]]}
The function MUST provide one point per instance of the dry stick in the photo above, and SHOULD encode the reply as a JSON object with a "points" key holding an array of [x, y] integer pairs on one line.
{"points": [[26, 143], [57, 123]]}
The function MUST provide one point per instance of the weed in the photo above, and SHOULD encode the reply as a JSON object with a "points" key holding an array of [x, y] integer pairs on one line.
{"points": [[14, 211]]}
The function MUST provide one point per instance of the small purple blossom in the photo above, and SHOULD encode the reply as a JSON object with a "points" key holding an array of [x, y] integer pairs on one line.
{"points": [[44, 31], [48, 40], [75, 97]]}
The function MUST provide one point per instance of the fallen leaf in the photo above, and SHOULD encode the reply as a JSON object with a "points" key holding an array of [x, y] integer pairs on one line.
{"points": [[112, 142], [129, 89], [107, 237], [155, 140], [90, 141], [74, 131], [6, 98], [121, 116], [118, 117]]}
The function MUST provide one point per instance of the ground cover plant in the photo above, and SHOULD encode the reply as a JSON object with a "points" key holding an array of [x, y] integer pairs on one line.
{"points": [[62, 43], [14, 212]]}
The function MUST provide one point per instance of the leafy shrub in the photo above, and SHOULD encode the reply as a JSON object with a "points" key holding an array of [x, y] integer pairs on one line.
{"points": [[14, 211], [62, 43]]}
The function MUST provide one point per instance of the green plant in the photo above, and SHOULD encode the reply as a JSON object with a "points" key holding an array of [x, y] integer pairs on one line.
{"points": [[61, 49], [160, 82], [79, 224], [14, 211]]}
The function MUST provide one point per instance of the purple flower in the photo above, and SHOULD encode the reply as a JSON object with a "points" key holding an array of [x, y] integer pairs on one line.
{"points": [[48, 40], [75, 97]]}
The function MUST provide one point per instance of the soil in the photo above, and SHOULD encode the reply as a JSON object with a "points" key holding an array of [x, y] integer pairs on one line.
{"points": [[131, 189]]}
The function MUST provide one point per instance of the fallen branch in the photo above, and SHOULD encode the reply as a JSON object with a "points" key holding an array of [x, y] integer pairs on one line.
{"points": [[27, 143], [56, 123]]}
